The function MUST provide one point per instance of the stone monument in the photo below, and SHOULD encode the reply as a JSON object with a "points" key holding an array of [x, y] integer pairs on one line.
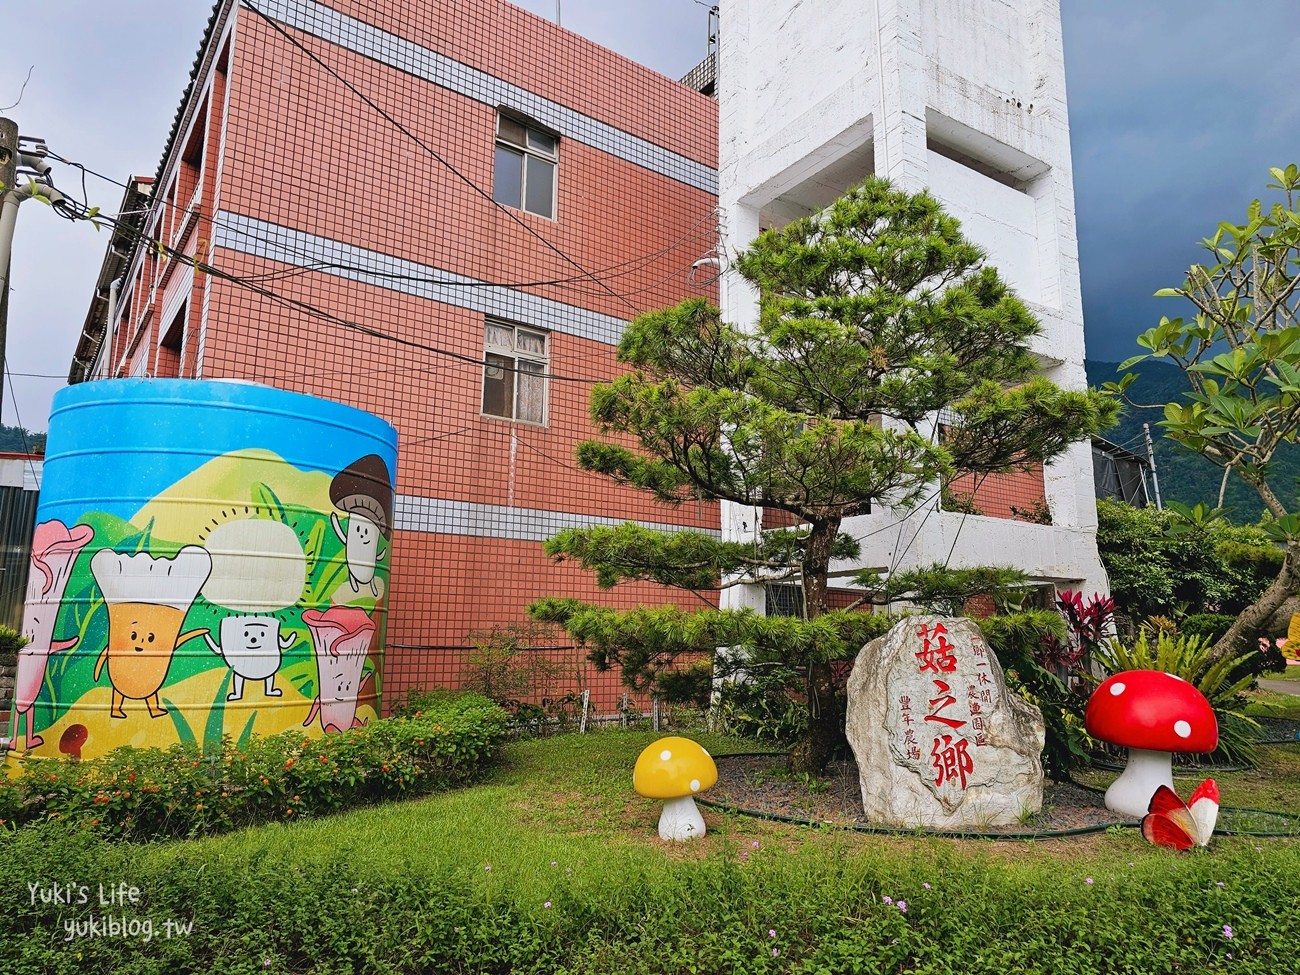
{"points": [[940, 741]]}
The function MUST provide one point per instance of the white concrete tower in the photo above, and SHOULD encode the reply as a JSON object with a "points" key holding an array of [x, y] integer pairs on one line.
{"points": [[967, 98]]}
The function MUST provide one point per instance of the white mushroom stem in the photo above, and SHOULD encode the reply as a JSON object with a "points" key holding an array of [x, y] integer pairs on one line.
{"points": [[680, 820], [1131, 793]]}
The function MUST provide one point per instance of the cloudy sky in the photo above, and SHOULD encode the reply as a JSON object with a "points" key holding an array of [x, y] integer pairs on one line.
{"points": [[1177, 112]]}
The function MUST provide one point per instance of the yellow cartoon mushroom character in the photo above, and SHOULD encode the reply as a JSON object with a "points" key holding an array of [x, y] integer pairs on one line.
{"points": [[364, 491], [675, 769], [147, 601]]}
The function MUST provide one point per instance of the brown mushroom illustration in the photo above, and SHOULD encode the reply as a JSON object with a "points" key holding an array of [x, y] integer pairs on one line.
{"points": [[72, 739], [1152, 714], [364, 492]]}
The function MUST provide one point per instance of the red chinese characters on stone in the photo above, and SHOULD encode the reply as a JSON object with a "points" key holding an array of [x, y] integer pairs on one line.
{"points": [[937, 704], [949, 752], [936, 653], [952, 760]]}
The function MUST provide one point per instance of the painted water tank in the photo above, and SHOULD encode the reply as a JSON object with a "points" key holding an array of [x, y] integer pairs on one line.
{"points": [[211, 558]]}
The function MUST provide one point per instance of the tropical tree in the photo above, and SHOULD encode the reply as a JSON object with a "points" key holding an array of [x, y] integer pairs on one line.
{"points": [[1240, 350], [875, 314]]}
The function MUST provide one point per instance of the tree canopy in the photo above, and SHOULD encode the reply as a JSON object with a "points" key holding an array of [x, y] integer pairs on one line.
{"points": [[876, 317], [1240, 351]]}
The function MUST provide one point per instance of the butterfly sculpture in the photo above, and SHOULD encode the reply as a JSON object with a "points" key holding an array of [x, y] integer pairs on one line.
{"points": [[1181, 825]]}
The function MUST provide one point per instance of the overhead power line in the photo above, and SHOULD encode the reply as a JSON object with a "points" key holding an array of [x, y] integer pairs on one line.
{"points": [[279, 29]]}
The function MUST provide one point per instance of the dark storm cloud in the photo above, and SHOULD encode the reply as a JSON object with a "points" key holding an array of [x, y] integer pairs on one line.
{"points": [[1177, 111]]}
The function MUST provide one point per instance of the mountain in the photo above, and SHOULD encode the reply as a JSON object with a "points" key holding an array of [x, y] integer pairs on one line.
{"points": [[1185, 476], [19, 441]]}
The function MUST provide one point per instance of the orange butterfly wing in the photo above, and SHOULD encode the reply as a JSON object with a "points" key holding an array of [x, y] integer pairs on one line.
{"points": [[1168, 821]]}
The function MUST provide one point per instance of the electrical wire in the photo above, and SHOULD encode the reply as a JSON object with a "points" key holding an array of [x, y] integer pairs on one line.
{"points": [[69, 211], [18, 422], [21, 91], [279, 29], [314, 311], [625, 268]]}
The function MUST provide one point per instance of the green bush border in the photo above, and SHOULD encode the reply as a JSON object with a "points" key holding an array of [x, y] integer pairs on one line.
{"points": [[142, 794]]}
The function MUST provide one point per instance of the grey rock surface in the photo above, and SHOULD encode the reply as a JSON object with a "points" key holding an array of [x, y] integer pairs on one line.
{"points": [[940, 741]]}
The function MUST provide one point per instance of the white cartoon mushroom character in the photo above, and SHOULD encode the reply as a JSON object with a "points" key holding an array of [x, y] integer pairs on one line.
{"points": [[1152, 714], [675, 770], [364, 492]]}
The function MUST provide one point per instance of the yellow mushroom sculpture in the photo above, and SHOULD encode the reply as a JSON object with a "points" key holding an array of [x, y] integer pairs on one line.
{"points": [[675, 770]]}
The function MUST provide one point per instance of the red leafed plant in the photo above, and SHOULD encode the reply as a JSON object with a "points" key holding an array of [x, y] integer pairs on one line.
{"points": [[1087, 623]]}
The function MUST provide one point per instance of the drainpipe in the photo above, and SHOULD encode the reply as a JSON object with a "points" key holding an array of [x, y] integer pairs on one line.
{"points": [[110, 327]]}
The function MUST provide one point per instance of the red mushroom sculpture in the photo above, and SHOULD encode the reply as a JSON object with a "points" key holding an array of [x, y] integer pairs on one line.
{"points": [[1152, 714]]}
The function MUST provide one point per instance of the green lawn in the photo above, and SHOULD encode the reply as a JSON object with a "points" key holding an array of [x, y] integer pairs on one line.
{"points": [[552, 864], [1273, 785], [1292, 673]]}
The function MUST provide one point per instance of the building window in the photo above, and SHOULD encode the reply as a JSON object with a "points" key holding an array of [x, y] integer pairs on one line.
{"points": [[514, 372], [525, 169]]}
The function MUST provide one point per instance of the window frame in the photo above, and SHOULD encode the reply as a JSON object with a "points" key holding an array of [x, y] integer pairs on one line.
{"points": [[516, 355], [525, 149]]}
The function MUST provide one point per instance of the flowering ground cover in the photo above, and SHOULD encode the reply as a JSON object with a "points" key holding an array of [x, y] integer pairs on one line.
{"points": [[552, 864]]}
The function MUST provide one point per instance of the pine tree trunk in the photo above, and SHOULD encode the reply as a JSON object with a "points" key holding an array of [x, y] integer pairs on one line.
{"points": [[825, 723]]}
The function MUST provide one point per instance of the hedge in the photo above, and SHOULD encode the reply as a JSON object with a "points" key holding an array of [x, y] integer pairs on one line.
{"points": [[142, 794]]}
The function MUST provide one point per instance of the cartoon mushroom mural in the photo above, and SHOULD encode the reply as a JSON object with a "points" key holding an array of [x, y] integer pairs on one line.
{"points": [[72, 739], [675, 770], [148, 598], [1152, 714], [55, 548], [342, 637], [364, 492]]}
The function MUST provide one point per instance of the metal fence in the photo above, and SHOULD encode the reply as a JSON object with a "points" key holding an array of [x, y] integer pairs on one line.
{"points": [[17, 522]]}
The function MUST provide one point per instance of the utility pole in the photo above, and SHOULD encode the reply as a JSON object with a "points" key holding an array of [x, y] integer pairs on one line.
{"points": [[8, 179], [1151, 459], [11, 195]]}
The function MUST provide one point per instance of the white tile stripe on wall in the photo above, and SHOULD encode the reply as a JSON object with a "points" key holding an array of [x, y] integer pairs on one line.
{"points": [[399, 53], [446, 517], [273, 242]]}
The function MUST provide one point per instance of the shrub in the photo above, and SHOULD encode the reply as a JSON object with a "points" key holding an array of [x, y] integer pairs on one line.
{"points": [[183, 791], [11, 641], [1018, 639], [1161, 563], [760, 706], [419, 700]]}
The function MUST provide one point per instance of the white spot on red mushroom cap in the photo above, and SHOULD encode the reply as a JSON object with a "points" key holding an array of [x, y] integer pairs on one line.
{"points": [[1152, 710]]}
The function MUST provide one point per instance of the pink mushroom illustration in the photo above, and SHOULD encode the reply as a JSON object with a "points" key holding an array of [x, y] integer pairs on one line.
{"points": [[55, 548], [342, 637]]}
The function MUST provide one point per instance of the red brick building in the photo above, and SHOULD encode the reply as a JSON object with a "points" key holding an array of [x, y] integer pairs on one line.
{"points": [[443, 212]]}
